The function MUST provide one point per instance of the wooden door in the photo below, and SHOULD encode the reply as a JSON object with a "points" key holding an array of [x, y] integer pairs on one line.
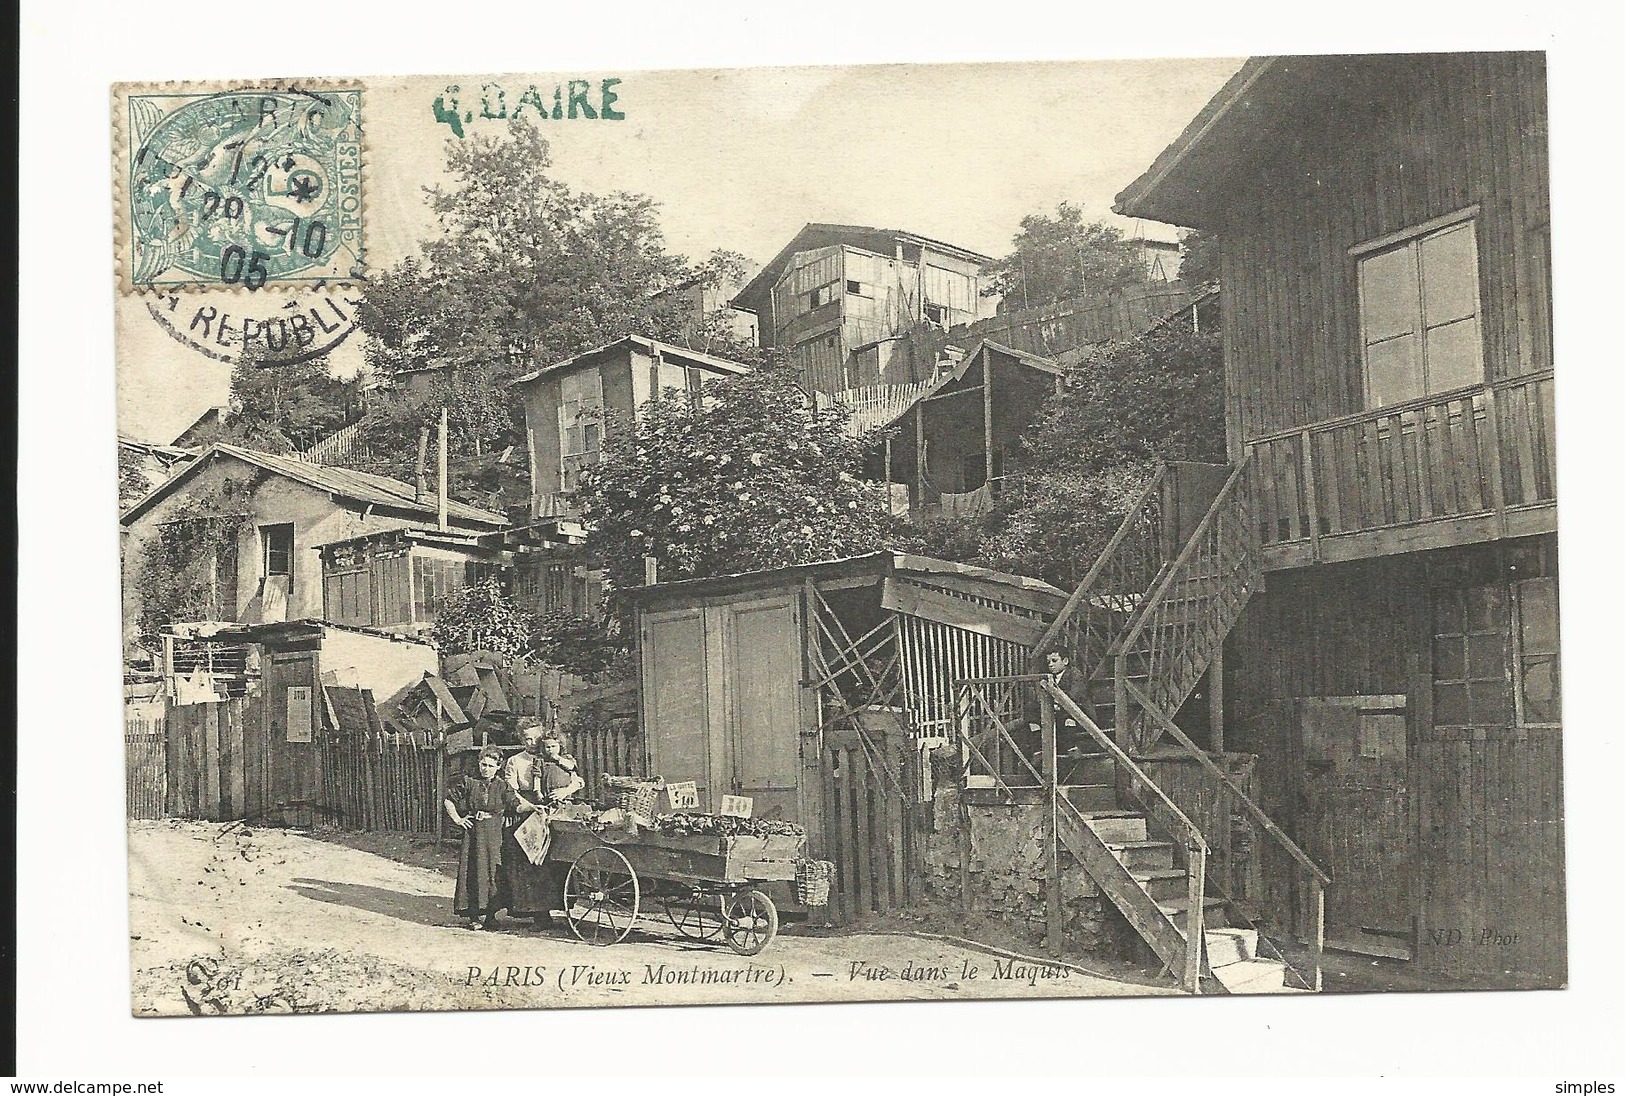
{"points": [[764, 685], [676, 704], [292, 718], [1356, 820]]}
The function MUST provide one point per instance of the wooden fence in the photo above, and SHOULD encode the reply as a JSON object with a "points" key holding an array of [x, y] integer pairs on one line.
{"points": [[873, 820], [388, 782], [216, 761], [145, 775]]}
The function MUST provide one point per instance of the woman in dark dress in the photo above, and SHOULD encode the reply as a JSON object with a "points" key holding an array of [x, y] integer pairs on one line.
{"points": [[478, 805]]}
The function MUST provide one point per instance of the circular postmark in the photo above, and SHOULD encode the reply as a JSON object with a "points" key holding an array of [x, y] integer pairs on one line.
{"points": [[245, 189], [285, 328]]}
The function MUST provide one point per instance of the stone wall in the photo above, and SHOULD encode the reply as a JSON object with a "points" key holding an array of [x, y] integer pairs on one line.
{"points": [[1007, 878]]}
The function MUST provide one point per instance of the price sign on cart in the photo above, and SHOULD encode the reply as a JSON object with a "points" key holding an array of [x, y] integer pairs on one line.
{"points": [[737, 806], [683, 796]]}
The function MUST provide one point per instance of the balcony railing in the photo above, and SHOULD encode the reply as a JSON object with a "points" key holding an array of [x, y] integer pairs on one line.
{"points": [[1473, 464]]}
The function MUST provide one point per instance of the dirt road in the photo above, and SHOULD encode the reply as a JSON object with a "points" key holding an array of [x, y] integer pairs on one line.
{"points": [[236, 920]]}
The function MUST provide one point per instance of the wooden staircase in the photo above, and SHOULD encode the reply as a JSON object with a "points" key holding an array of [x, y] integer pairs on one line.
{"points": [[1148, 878], [1144, 625]]}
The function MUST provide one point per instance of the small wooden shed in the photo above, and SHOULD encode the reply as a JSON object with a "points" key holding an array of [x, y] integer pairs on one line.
{"points": [[814, 690]]}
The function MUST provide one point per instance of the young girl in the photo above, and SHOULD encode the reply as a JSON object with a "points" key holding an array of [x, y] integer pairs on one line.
{"points": [[477, 804]]}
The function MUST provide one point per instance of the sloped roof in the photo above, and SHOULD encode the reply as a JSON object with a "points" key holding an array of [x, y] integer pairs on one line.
{"points": [[876, 563], [709, 361], [344, 483], [753, 295], [1022, 357]]}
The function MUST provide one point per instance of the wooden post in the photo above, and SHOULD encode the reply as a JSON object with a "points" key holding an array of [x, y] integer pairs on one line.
{"points": [[919, 454], [1317, 940], [1495, 474], [1215, 700], [1052, 827], [1196, 866], [987, 419], [443, 468], [888, 475], [1308, 461]]}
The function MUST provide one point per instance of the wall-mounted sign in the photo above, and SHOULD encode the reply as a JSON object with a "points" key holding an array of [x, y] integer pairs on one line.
{"points": [[299, 713]]}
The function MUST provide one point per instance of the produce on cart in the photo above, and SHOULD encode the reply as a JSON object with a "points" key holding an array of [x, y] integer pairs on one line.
{"points": [[705, 871]]}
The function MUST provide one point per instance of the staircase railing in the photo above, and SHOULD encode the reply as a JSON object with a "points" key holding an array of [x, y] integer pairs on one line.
{"points": [[1318, 879], [1151, 797], [1114, 586], [1185, 617], [989, 751]]}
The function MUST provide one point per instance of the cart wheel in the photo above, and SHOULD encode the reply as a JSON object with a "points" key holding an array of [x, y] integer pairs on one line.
{"points": [[601, 896], [752, 922], [696, 915]]}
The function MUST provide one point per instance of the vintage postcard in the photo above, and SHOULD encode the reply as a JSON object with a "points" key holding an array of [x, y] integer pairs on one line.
{"points": [[776, 536]]}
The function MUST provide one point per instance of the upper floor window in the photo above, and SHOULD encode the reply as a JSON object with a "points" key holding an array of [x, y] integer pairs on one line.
{"points": [[581, 413], [1419, 310]]}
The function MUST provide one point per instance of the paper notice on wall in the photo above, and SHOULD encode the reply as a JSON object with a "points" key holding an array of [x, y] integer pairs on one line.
{"points": [[683, 795], [737, 806]]}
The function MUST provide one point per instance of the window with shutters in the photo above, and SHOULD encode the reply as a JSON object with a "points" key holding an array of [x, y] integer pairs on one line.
{"points": [[581, 413], [1419, 311]]}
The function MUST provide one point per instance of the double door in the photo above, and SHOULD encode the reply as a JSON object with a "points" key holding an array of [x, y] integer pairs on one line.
{"points": [[722, 700]]}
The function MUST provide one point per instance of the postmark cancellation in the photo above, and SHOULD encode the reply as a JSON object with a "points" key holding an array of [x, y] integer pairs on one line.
{"points": [[238, 188]]}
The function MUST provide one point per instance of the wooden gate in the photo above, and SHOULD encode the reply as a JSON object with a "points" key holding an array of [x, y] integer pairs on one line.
{"points": [[873, 825], [216, 761]]}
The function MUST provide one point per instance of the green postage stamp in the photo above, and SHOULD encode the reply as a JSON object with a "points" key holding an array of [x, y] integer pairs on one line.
{"points": [[244, 187]]}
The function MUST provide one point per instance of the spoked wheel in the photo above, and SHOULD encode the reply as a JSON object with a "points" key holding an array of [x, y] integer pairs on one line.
{"points": [[601, 896], [752, 922], [696, 915]]}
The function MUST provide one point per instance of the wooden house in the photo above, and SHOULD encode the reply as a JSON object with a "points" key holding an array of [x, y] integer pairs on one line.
{"points": [[277, 511], [398, 579], [566, 404], [813, 689], [839, 302], [1373, 591], [260, 755], [949, 436]]}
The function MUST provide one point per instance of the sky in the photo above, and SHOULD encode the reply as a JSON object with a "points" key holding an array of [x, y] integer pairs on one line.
{"points": [[742, 158]]}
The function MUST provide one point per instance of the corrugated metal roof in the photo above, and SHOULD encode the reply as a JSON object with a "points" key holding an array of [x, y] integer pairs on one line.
{"points": [[346, 483]]}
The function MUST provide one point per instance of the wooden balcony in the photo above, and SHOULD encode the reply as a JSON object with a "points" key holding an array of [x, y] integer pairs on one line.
{"points": [[1460, 467]]}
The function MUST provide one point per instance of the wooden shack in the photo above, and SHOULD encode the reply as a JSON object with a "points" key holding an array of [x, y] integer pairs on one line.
{"points": [[817, 691]]}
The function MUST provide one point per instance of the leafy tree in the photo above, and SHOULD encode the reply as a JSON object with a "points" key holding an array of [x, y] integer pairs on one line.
{"points": [[523, 269], [579, 645], [1063, 257], [1127, 406], [281, 407], [752, 476], [481, 617]]}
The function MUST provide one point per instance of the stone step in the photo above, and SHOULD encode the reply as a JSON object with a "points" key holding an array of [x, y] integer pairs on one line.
{"points": [[1091, 797], [1252, 976], [1230, 945], [1143, 855], [1116, 826], [1213, 915], [1163, 884]]}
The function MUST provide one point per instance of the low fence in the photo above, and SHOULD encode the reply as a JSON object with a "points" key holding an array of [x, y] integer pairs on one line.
{"points": [[145, 775], [389, 782]]}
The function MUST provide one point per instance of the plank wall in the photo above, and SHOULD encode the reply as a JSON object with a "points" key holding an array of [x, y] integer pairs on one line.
{"points": [[1410, 140]]}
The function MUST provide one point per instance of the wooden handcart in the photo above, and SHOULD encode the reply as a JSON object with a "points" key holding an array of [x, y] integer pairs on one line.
{"points": [[708, 887]]}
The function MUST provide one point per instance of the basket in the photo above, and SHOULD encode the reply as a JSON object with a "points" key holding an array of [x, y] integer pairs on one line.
{"points": [[634, 796], [813, 878]]}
